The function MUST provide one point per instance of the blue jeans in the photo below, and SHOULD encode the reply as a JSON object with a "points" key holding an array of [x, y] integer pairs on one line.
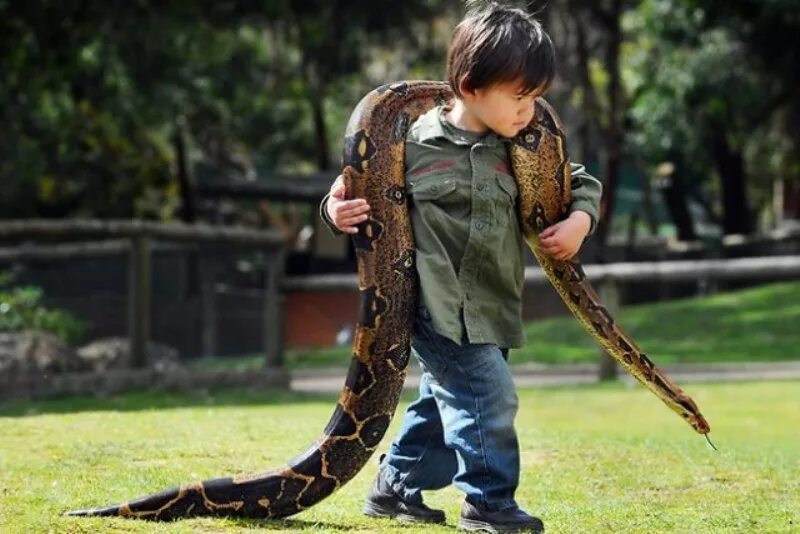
{"points": [[461, 428]]}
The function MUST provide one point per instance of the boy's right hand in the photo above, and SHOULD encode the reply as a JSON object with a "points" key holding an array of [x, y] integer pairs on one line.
{"points": [[345, 214]]}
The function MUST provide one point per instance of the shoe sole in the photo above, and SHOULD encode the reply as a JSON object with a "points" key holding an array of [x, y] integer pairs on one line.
{"points": [[374, 510], [475, 525]]}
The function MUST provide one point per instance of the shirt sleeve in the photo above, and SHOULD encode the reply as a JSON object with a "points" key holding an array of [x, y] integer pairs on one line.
{"points": [[586, 193], [323, 213]]}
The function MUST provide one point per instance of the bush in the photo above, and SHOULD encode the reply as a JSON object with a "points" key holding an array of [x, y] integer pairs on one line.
{"points": [[21, 308]]}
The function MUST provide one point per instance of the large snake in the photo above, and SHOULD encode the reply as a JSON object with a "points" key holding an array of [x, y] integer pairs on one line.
{"points": [[373, 164]]}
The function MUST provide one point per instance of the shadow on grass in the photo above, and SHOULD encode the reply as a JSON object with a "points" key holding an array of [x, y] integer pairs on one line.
{"points": [[138, 400], [292, 524], [159, 400], [299, 524]]}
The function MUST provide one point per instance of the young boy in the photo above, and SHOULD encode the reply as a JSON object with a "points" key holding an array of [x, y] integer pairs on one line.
{"points": [[469, 255]]}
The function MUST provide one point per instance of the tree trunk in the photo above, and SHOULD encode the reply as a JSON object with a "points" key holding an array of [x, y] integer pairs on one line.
{"points": [[589, 97], [791, 198], [675, 199], [188, 213], [737, 218], [614, 134], [648, 210], [320, 131]]}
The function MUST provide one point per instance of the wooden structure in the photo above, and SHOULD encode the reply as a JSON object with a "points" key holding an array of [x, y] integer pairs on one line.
{"points": [[137, 238]]}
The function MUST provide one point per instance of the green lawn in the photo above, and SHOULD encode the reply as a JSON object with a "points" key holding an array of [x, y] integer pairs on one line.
{"points": [[605, 458], [758, 324]]}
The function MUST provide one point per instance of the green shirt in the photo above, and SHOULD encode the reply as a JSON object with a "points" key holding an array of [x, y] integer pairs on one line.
{"points": [[469, 246]]}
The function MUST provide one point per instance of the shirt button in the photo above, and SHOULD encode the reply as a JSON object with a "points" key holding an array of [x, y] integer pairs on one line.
{"points": [[479, 226], [435, 189], [480, 186]]}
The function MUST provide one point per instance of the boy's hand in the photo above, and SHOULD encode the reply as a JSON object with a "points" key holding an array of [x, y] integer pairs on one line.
{"points": [[563, 240], [345, 214]]}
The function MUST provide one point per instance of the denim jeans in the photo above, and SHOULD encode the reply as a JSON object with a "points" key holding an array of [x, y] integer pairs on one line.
{"points": [[461, 428]]}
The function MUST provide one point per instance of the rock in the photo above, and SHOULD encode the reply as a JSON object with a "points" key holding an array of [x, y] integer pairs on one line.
{"points": [[114, 353], [36, 351]]}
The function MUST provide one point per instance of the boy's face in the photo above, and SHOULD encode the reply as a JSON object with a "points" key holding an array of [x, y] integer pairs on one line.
{"points": [[502, 107]]}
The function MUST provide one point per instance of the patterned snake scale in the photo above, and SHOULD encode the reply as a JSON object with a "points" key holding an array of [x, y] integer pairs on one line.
{"points": [[373, 169]]}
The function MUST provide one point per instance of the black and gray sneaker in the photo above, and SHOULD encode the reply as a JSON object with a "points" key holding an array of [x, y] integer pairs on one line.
{"points": [[508, 520], [382, 501]]}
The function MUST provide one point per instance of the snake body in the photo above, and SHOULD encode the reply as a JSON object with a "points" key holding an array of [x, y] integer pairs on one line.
{"points": [[373, 169]]}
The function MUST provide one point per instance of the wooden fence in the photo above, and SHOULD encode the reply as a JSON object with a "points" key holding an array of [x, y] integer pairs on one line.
{"points": [[136, 238]]}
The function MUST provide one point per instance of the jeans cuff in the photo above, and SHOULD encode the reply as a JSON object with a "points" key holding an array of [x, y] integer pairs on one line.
{"points": [[496, 506], [394, 479]]}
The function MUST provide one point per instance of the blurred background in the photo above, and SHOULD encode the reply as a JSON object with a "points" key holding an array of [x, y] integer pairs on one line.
{"points": [[231, 114]]}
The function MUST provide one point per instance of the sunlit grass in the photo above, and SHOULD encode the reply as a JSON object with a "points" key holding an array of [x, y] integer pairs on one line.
{"points": [[605, 458]]}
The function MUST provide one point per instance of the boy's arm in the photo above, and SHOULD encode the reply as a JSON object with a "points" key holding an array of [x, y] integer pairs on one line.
{"points": [[342, 216], [586, 193], [323, 213]]}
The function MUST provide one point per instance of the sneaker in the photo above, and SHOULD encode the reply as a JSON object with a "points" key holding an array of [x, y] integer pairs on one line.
{"points": [[382, 501], [507, 520]]}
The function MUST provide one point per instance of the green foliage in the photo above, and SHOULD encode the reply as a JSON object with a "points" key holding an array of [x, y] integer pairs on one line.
{"points": [[21, 308], [689, 83], [708, 74], [92, 94]]}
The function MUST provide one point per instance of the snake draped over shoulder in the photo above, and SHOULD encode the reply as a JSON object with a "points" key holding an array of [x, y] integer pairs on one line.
{"points": [[373, 168]]}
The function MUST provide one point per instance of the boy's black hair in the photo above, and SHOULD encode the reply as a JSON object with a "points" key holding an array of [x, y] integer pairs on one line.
{"points": [[497, 43]]}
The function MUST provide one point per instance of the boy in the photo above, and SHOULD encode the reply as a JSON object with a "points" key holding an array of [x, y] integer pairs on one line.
{"points": [[469, 255]]}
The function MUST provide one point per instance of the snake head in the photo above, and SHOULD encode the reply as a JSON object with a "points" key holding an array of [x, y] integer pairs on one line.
{"points": [[687, 409], [699, 423]]}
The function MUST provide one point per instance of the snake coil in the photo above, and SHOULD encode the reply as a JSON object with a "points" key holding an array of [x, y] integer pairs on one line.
{"points": [[373, 169]]}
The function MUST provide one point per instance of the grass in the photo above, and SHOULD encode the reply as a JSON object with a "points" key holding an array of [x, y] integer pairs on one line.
{"points": [[605, 458], [757, 324]]}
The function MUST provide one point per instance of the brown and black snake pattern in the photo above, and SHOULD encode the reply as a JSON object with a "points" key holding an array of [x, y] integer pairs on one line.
{"points": [[373, 169]]}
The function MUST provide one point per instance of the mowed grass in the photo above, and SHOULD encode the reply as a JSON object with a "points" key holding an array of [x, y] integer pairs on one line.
{"points": [[758, 324], [604, 458]]}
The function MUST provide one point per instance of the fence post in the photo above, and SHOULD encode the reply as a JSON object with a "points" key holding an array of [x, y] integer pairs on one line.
{"points": [[609, 296], [139, 285], [274, 309], [208, 306]]}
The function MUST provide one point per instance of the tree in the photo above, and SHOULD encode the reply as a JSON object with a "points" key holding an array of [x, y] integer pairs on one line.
{"points": [[99, 98], [768, 30], [699, 100], [591, 42]]}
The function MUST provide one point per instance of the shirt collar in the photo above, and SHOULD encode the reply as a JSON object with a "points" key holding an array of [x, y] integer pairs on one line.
{"points": [[433, 124]]}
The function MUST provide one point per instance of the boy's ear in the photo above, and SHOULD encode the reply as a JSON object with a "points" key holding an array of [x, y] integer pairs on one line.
{"points": [[465, 87]]}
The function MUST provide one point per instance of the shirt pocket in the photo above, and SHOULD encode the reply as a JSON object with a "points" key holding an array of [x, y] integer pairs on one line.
{"points": [[437, 188], [505, 199]]}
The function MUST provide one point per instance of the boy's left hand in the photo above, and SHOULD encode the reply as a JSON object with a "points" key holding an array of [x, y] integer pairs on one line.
{"points": [[563, 240]]}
